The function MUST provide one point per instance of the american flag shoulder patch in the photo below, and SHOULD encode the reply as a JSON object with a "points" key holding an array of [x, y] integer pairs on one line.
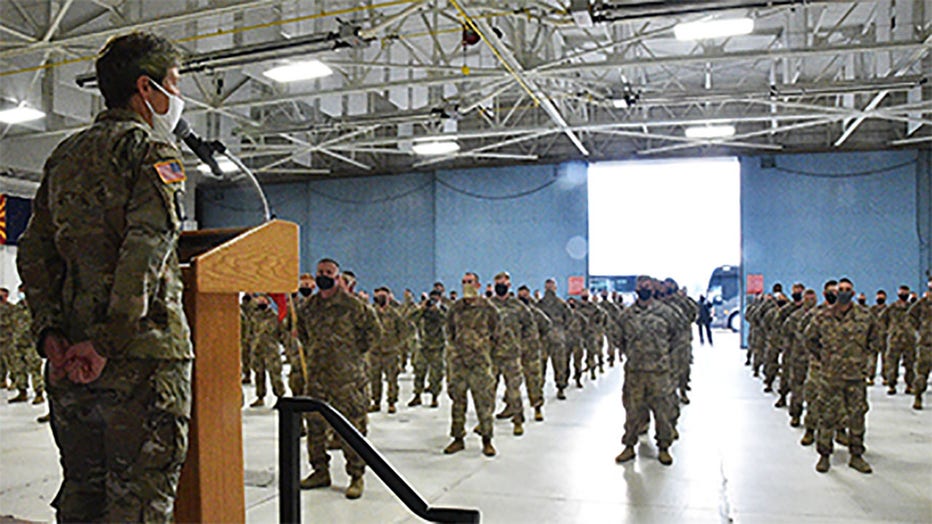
{"points": [[171, 171]]}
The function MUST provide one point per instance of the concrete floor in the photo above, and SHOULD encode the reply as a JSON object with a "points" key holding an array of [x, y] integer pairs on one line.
{"points": [[737, 461]]}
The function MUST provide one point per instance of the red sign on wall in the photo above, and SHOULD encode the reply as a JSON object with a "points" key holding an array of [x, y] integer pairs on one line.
{"points": [[576, 285], [755, 283]]}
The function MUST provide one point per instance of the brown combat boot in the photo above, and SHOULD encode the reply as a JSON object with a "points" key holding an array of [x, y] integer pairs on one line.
{"points": [[375, 408], [592, 374], [416, 401], [794, 421], [317, 479], [781, 402], [44, 419], [664, 457], [538, 414], [917, 404], [519, 429], [487, 449], [625, 456], [354, 491], [909, 390], [434, 403], [560, 394], [891, 390], [455, 446], [505, 413], [808, 437], [40, 398], [683, 398], [391, 409], [824, 464], [858, 463], [22, 397], [258, 403]]}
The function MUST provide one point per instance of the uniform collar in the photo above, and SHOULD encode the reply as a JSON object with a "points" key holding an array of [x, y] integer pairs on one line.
{"points": [[120, 115]]}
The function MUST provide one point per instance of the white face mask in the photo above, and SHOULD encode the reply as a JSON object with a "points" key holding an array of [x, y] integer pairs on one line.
{"points": [[164, 124]]}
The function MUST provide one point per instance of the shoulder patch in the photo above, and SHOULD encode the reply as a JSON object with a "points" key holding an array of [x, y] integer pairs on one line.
{"points": [[171, 171]]}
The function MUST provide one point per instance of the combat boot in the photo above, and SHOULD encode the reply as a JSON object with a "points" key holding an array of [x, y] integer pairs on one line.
{"points": [[824, 464], [391, 409], [601, 369], [909, 390], [416, 401], [781, 402], [475, 430], [39, 399], [375, 408], [519, 429], [592, 374], [247, 380], [455, 446], [560, 394], [625, 455], [676, 434], [808, 438], [841, 437], [22, 397], [318, 479], [487, 449], [505, 413], [891, 390], [858, 463], [538, 414], [434, 403], [917, 404], [354, 491], [664, 457], [768, 388], [756, 373], [683, 398], [258, 403], [44, 419], [579, 381], [794, 421], [870, 381]]}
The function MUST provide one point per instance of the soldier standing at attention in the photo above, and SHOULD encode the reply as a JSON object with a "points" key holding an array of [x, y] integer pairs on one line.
{"points": [[647, 339], [25, 363], [920, 314], [6, 340], [901, 342], [555, 345], [429, 359], [246, 310], [266, 356], [877, 309], [517, 323], [99, 264], [842, 337], [531, 353], [336, 330], [474, 331], [385, 358]]}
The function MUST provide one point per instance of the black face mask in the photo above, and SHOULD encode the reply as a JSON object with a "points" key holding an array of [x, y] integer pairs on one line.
{"points": [[862, 301], [644, 293], [831, 298], [904, 296], [324, 282], [797, 296], [262, 306], [844, 297], [488, 294], [526, 300], [380, 300], [305, 291], [881, 301], [501, 289], [781, 303]]}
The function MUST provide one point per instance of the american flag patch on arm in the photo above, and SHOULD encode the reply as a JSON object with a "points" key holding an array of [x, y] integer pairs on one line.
{"points": [[171, 171]]}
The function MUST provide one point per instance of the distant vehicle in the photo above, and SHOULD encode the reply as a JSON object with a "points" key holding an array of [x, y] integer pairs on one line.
{"points": [[723, 294], [623, 285]]}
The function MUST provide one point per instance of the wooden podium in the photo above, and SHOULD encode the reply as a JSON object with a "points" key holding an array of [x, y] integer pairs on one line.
{"points": [[218, 264]]}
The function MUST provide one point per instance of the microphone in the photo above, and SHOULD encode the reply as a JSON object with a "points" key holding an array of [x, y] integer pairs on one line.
{"points": [[202, 148]]}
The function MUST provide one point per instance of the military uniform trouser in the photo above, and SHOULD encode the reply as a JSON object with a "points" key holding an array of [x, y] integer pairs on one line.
{"points": [[798, 367], [477, 379], [509, 367], [900, 352], [757, 354], [594, 353], [771, 363], [579, 359], [296, 381], [923, 365], [350, 400], [245, 356], [533, 377], [122, 440], [872, 364], [387, 364], [267, 360], [4, 369], [428, 364], [643, 393], [815, 383], [555, 351], [840, 399], [26, 364], [681, 358]]}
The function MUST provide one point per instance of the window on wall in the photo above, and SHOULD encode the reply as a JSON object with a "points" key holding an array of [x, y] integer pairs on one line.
{"points": [[670, 218]]}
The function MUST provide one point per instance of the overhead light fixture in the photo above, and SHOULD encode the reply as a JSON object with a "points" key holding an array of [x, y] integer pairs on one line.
{"points": [[18, 115], [710, 131], [226, 165], [713, 29], [298, 71], [620, 103], [435, 147]]}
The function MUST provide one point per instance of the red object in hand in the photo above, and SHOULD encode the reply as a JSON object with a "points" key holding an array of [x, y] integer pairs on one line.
{"points": [[84, 364]]}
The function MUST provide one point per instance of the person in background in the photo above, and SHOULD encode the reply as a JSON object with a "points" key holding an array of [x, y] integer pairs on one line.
{"points": [[704, 320]]}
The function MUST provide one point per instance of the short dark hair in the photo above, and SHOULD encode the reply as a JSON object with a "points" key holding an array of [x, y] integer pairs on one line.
{"points": [[844, 280], [904, 286], [524, 288], [125, 58], [881, 292], [328, 261], [435, 293], [829, 283]]}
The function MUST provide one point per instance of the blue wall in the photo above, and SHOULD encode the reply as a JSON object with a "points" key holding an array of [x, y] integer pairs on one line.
{"points": [[410, 230]]}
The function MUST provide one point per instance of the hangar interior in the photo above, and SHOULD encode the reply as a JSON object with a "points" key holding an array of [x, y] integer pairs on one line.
{"points": [[431, 137]]}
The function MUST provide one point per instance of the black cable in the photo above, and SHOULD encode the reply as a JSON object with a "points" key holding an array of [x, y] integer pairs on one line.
{"points": [[382, 200], [844, 175], [490, 197]]}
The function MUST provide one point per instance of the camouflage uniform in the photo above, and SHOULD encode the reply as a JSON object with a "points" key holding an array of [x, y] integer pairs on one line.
{"points": [[99, 263], [517, 323], [6, 339], [901, 343], [429, 359], [555, 345], [293, 350], [756, 318], [25, 362], [531, 350], [779, 343], [265, 353], [245, 338], [612, 329], [773, 348], [595, 333], [796, 358], [336, 333], [578, 343], [474, 330], [412, 339], [842, 342], [385, 358], [920, 315], [682, 350], [647, 338], [877, 310]]}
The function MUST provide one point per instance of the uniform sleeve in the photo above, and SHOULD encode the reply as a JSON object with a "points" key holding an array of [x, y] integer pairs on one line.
{"points": [[874, 338], [812, 340], [150, 236], [914, 313], [41, 269], [371, 331]]}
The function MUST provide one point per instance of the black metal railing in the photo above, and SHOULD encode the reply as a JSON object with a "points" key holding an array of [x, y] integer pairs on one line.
{"points": [[289, 455]]}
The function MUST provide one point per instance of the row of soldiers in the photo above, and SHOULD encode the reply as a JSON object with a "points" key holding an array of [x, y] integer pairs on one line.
{"points": [[341, 349], [18, 358], [825, 355]]}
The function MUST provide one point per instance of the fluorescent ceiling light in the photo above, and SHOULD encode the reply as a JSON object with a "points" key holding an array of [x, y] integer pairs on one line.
{"points": [[713, 29], [436, 147], [619, 103], [17, 115], [226, 165], [297, 71], [710, 131]]}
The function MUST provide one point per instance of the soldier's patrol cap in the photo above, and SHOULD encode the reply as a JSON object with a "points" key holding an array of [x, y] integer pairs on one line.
{"points": [[503, 274]]}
